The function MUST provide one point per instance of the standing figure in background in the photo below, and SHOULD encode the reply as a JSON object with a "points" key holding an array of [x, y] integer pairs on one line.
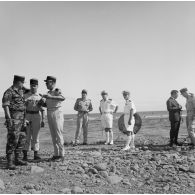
{"points": [[174, 116], [129, 120], [83, 106], [14, 107], [35, 117], [190, 108], [107, 108], [53, 101]]}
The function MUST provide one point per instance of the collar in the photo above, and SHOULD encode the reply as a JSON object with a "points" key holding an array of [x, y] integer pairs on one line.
{"points": [[14, 88]]}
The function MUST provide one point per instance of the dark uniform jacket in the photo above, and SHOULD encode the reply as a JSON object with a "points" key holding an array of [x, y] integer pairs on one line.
{"points": [[174, 109]]}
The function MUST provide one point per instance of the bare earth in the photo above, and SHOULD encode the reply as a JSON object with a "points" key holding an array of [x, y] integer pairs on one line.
{"points": [[96, 168]]}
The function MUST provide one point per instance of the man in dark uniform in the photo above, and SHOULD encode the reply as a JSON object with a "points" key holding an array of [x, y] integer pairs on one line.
{"points": [[14, 108], [174, 116]]}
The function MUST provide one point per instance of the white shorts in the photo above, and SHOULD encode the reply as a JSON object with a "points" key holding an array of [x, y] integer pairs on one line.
{"points": [[107, 120], [126, 120]]}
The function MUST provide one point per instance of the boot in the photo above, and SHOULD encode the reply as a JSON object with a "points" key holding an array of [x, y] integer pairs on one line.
{"points": [[19, 162], [10, 164], [36, 156], [25, 155]]}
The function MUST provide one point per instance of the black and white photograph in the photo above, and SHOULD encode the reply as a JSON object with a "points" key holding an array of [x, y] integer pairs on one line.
{"points": [[97, 97]]}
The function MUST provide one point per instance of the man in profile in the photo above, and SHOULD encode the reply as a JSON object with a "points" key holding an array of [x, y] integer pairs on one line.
{"points": [[174, 116]]}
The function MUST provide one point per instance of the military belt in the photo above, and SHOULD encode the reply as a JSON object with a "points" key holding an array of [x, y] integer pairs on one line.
{"points": [[32, 112], [107, 112]]}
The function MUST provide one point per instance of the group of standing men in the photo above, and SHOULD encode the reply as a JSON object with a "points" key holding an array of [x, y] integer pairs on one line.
{"points": [[175, 109], [24, 116]]}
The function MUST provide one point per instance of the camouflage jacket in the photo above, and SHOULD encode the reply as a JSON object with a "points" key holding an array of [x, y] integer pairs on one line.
{"points": [[14, 99]]}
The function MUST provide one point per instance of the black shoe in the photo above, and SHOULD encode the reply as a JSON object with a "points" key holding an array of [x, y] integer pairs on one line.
{"points": [[178, 144], [60, 158], [171, 144], [53, 158], [20, 162], [85, 143], [25, 157], [36, 156], [10, 164]]}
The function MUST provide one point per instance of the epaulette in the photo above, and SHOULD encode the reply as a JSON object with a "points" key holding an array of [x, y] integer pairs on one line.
{"points": [[110, 99]]}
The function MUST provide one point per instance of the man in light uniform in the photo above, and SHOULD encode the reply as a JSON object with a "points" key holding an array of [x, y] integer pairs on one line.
{"points": [[129, 120], [83, 106], [54, 99], [35, 119], [190, 108], [107, 108]]}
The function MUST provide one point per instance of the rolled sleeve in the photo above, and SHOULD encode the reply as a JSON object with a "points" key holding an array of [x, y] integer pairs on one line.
{"points": [[90, 107], [76, 105], [6, 99]]}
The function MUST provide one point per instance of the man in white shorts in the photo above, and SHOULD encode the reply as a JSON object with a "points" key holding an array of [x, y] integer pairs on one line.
{"points": [[107, 108], [129, 120]]}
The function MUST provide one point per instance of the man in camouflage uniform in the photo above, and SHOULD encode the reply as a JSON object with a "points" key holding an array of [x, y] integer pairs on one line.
{"points": [[14, 108], [83, 106]]}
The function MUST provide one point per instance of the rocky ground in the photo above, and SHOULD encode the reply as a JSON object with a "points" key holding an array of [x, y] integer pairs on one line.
{"points": [[152, 168]]}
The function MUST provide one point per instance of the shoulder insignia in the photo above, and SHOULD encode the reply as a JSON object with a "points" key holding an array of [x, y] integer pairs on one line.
{"points": [[110, 99]]}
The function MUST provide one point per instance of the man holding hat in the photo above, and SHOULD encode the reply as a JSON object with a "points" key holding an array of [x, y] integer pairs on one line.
{"points": [[14, 108], [107, 108], [83, 106], [190, 108], [35, 119], [174, 116], [53, 101]]}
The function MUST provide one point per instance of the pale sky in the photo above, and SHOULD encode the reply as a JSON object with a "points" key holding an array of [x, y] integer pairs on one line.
{"points": [[147, 48]]}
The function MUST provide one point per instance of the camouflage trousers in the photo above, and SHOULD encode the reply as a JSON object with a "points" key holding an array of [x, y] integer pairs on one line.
{"points": [[16, 136]]}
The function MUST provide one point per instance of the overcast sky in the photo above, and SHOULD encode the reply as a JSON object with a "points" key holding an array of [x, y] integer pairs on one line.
{"points": [[147, 48]]}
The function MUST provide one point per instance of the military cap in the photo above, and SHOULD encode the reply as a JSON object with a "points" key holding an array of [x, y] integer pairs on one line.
{"points": [[33, 81], [50, 78], [174, 91], [183, 90], [19, 78], [104, 92], [126, 92], [84, 91]]}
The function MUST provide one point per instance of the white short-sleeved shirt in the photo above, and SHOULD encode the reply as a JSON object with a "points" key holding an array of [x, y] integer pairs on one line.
{"points": [[108, 106], [128, 106], [51, 103], [32, 102]]}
